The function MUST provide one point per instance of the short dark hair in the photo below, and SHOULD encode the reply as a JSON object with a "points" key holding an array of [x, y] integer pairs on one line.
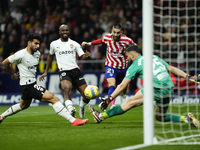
{"points": [[134, 48], [117, 26], [32, 36]]}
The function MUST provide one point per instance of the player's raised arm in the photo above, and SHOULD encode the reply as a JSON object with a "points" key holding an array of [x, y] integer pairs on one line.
{"points": [[178, 72], [96, 42]]}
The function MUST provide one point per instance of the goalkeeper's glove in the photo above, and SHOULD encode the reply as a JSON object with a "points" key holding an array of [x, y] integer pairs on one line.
{"points": [[105, 102], [195, 78]]}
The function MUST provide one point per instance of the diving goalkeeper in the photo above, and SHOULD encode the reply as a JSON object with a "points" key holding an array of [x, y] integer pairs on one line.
{"points": [[163, 90]]}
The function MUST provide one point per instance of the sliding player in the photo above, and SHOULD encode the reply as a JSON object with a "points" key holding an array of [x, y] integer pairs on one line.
{"points": [[163, 90]]}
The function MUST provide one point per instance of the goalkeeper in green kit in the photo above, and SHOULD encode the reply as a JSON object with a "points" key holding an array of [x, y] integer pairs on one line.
{"points": [[163, 90]]}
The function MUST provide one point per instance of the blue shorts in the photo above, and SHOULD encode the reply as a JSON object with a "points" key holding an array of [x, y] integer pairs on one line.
{"points": [[118, 74]]}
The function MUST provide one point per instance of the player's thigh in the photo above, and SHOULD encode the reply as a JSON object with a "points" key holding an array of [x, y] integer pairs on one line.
{"points": [[80, 84], [110, 74], [162, 98], [48, 97], [135, 101], [121, 73]]}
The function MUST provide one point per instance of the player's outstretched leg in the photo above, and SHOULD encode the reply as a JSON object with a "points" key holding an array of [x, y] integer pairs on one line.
{"points": [[79, 122], [192, 120], [10, 111], [95, 114]]}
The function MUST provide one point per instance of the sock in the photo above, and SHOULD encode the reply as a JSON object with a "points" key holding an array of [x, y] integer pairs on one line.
{"points": [[184, 119], [172, 117], [113, 112], [82, 103], [62, 111], [68, 104], [110, 91], [12, 110]]}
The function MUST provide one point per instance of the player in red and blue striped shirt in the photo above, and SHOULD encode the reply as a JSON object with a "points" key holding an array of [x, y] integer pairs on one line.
{"points": [[116, 62]]}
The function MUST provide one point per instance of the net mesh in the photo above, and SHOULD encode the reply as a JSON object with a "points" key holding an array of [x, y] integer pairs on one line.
{"points": [[177, 41]]}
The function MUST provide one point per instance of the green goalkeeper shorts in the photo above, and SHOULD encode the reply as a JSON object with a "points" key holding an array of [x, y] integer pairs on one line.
{"points": [[162, 97]]}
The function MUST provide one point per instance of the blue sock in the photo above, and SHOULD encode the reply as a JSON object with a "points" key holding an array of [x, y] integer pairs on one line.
{"points": [[111, 90]]}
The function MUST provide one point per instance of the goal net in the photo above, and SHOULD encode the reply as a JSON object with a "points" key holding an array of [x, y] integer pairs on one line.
{"points": [[176, 34]]}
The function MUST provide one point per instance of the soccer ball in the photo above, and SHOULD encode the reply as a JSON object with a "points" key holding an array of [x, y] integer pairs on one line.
{"points": [[91, 91]]}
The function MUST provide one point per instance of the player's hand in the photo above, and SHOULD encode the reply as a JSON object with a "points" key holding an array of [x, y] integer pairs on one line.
{"points": [[195, 78], [105, 102], [42, 77], [15, 76], [87, 54], [84, 44]]}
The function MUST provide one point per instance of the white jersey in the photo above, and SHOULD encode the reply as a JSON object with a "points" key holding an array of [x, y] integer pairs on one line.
{"points": [[27, 65], [66, 53]]}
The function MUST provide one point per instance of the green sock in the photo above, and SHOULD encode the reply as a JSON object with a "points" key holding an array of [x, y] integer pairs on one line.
{"points": [[172, 117], [114, 111]]}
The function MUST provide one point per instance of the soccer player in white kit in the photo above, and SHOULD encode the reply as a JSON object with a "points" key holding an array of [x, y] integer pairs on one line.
{"points": [[116, 60], [27, 61], [65, 50]]}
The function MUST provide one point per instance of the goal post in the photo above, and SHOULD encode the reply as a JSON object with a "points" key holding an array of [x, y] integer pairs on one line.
{"points": [[148, 108], [171, 30]]}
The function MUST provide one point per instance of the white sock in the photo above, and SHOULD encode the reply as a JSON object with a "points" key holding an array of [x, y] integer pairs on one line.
{"points": [[12, 110], [101, 116], [68, 104], [83, 104], [62, 111]]}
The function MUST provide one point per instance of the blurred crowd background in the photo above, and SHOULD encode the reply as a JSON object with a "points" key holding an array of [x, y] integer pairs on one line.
{"points": [[88, 20], [176, 31]]}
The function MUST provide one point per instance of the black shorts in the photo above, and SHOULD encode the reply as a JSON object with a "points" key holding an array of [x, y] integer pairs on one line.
{"points": [[32, 91], [74, 76]]}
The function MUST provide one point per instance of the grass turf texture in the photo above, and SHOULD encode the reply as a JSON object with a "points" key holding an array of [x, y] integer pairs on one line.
{"points": [[39, 128]]}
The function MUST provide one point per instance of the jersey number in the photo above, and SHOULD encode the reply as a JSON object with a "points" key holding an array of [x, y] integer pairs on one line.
{"points": [[157, 66], [110, 71]]}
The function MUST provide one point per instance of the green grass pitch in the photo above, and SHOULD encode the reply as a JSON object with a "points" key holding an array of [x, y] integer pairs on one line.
{"points": [[39, 128]]}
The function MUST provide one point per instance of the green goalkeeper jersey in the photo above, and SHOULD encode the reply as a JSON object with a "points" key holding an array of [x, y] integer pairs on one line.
{"points": [[161, 77]]}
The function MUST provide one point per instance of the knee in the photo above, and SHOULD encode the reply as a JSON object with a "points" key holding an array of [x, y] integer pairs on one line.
{"points": [[24, 106], [66, 89], [54, 99]]}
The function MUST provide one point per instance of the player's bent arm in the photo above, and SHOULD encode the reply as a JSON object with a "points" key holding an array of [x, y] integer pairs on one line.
{"points": [[176, 71], [120, 87], [6, 63]]}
